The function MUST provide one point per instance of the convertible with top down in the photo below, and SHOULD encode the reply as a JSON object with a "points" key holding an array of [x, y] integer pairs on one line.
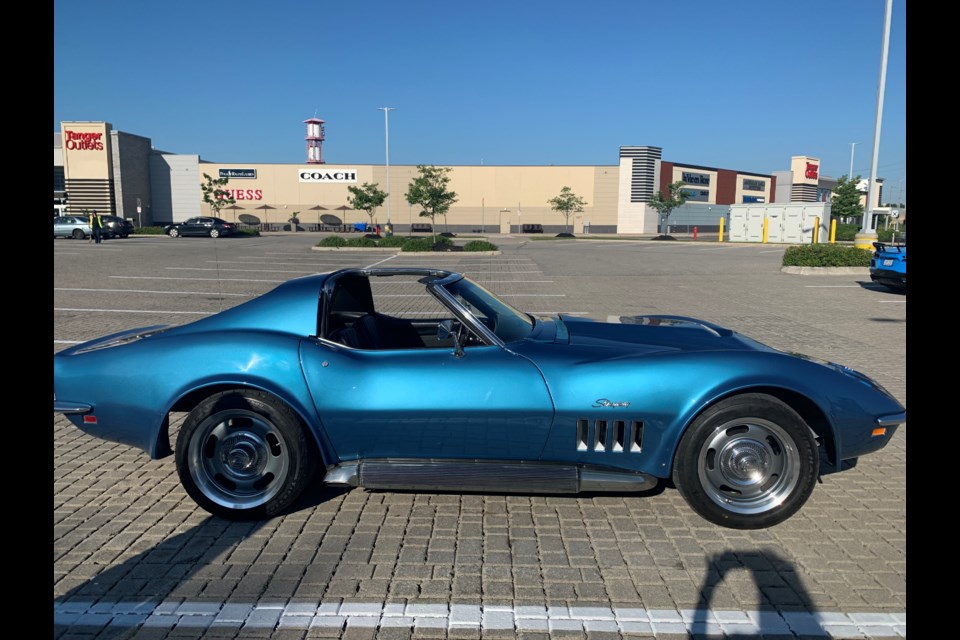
{"points": [[422, 379]]}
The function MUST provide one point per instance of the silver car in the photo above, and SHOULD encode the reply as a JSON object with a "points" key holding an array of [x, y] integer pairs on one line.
{"points": [[77, 227], [71, 227]]}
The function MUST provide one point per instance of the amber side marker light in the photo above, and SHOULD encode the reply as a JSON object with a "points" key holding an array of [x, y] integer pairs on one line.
{"points": [[879, 431]]}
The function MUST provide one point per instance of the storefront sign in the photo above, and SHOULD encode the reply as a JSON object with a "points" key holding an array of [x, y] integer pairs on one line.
{"points": [[84, 140], [238, 173], [752, 199], [245, 194], [697, 195], [327, 175], [811, 171], [696, 178], [754, 185]]}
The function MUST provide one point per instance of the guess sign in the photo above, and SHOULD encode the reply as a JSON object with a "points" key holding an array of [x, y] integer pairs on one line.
{"points": [[245, 194]]}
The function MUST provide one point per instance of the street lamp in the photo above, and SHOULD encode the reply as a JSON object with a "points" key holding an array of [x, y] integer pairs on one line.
{"points": [[386, 130]]}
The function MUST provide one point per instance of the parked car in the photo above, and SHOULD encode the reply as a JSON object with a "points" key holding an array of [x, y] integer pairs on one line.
{"points": [[77, 227], [119, 227], [888, 266], [201, 226], [428, 381]]}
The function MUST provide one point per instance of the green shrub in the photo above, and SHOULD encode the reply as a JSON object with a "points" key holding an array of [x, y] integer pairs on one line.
{"points": [[332, 241], [248, 232], [846, 232], [826, 255], [361, 242], [394, 241], [418, 244], [480, 245]]}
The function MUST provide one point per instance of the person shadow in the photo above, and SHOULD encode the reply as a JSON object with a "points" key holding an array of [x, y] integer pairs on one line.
{"points": [[783, 607]]}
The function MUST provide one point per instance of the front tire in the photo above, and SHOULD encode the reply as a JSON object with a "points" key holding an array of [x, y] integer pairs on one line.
{"points": [[747, 462], [78, 234], [244, 455], [173, 233]]}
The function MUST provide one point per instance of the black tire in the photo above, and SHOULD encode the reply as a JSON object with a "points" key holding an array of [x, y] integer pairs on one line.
{"points": [[214, 233], [747, 462], [173, 232], [78, 234], [244, 455]]}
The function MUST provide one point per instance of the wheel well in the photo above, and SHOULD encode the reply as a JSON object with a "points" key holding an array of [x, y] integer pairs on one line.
{"points": [[187, 403], [806, 408]]}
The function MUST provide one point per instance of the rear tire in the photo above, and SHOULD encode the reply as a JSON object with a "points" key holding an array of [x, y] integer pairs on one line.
{"points": [[244, 455], [747, 462], [214, 233]]}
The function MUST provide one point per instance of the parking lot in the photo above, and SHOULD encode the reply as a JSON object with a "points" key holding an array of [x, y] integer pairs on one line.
{"points": [[135, 557]]}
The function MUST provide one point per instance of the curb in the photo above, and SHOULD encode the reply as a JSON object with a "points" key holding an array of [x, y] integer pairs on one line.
{"points": [[826, 271], [409, 253]]}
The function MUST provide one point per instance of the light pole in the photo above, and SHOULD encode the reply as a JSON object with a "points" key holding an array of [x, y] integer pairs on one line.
{"points": [[850, 175], [386, 131], [864, 239]]}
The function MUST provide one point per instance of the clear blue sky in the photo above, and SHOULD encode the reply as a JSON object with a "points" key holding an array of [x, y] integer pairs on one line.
{"points": [[740, 85]]}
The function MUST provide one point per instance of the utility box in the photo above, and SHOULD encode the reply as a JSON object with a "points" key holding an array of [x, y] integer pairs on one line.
{"points": [[792, 223]]}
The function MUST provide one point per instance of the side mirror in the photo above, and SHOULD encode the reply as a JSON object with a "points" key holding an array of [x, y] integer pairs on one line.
{"points": [[445, 332]]}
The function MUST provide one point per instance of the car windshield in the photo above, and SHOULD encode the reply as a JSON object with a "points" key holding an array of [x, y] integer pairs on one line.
{"points": [[507, 323]]}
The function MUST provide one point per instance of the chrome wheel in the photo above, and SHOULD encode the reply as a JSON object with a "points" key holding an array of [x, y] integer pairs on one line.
{"points": [[747, 462], [238, 459], [748, 465], [214, 233], [173, 233]]}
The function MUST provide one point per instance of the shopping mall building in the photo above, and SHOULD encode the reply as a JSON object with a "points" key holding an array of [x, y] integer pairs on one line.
{"points": [[97, 167]]}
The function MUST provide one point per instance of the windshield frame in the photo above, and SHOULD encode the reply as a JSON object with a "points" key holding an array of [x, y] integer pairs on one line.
{"points": [[484, 301]]}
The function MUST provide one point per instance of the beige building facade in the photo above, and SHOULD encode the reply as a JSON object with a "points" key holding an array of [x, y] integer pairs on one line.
{"points": [[119, 173]]}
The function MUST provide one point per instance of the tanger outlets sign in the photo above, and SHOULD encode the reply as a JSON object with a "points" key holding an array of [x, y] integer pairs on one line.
{"points": [[328, 175], [238, 173], [84, 140]]}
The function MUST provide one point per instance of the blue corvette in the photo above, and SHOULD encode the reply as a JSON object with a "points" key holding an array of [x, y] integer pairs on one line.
{"points": [[888, 266], [423, 379]]}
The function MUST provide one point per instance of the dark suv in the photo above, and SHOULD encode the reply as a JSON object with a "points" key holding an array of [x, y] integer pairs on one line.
{"points": [[119, 227]]}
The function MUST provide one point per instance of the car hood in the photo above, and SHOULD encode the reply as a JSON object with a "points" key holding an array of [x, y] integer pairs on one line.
{"points": [[653, 333]]}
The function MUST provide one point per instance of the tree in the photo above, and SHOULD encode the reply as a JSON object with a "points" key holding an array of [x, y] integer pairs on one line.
{"points": [[366, 198], [429, 190], [567, 203], [845, 202], [215, 195], [665, 204]]}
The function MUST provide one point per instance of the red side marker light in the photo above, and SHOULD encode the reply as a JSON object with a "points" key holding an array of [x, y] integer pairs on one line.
{"points": [[879, 431], [90, 419]]}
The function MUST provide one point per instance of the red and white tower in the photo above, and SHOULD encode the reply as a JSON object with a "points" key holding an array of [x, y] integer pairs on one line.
{"points": [[314, 141]]}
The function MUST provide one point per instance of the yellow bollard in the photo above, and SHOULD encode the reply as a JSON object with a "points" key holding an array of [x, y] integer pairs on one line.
{"points": [[816, 230], [765, 222], [721, 230], [833, 231]]}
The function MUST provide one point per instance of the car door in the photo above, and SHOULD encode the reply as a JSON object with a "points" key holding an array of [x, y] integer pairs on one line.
{"points": [[428, 403]]}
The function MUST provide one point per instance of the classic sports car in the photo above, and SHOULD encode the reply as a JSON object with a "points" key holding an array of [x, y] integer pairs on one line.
{"points": [[888, 266], [423, 379]]}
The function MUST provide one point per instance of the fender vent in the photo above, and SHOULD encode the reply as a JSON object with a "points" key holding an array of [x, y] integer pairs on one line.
{"points": [[610, 436]]}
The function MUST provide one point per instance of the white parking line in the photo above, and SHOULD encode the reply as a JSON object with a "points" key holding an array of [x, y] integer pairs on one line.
{"points": [[235, 270], [183, 293], [333, 616], [192, 313], [893, 302], [197, 279]]}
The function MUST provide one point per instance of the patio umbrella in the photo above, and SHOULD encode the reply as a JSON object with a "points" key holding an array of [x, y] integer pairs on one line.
{"points": [[343, 207], [318, 209], [234, 208], [265, 207]]}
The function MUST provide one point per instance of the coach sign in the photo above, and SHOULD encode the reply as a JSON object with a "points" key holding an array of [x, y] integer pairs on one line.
{"points": [[238, 173], [332, 176]]}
